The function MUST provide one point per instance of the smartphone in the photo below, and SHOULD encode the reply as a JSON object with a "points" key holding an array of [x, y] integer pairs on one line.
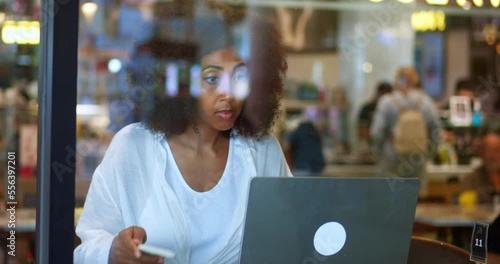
{"points": [[166, 253]]}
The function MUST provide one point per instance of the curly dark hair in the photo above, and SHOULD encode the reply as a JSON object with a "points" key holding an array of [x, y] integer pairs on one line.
{"points": [[267, 65]]}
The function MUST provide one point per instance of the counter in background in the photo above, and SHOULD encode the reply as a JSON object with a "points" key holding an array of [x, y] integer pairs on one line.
{"points": [[434, 173]]}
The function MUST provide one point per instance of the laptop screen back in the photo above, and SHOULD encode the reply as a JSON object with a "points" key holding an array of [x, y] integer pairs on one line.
{"points": [[329, 220]]}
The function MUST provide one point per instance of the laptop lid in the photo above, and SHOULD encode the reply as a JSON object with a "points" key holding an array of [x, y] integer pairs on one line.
{"points": [[329, 220]]}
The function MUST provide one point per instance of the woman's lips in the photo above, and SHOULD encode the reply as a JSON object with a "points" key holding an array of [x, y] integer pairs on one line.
{"points": [[225, 114]]}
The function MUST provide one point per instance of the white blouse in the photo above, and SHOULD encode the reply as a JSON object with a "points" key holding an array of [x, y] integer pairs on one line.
{"points": [[138, 183]]}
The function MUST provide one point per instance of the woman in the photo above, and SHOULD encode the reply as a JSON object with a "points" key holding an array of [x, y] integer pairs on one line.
{"points": [[179, 180]]}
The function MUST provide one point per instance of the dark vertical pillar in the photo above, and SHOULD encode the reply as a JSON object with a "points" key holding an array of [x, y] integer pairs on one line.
{"points": [[57, 131]]}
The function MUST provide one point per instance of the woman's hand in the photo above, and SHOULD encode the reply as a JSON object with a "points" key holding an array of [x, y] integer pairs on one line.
{"points": [[124, 248]]}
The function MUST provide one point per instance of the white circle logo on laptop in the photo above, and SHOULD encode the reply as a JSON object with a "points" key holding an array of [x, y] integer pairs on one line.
{"points": [[329, 238]]}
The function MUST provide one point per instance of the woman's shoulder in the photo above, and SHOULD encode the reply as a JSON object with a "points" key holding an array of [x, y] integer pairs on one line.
{"points": [[133, 131], [135, 134], [265, 143]]}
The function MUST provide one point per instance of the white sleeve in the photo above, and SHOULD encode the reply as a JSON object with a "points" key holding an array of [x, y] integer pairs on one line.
{"points": [[101, 220], [276, 158], [284, 169]]}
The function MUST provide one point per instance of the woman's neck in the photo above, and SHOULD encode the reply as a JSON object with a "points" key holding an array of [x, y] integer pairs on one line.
{"points": [[200, 138]]}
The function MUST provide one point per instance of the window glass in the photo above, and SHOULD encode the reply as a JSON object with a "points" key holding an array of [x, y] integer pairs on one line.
{"points": [[153, 63], [19, 40]]}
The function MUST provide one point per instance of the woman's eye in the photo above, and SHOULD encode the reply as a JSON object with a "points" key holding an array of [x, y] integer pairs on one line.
{"points": [[240, 76], [211, 79]]}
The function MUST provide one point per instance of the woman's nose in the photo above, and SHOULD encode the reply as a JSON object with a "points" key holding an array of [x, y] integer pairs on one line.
{"points": [[225, 85]]}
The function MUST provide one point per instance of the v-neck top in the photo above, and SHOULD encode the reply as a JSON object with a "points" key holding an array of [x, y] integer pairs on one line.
{"points": [[207, 212]]}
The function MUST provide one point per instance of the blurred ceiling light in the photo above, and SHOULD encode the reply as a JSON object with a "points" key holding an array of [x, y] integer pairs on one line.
{"points": [[495, 3], [172, 83], [367, 67], [376, 1], [2, 17], [89, 9], [405, 1], [465, 4], [21, 32], [428, 21], [9, 32], [195, 83], [114, 65], [478, 3], [437, 2]]}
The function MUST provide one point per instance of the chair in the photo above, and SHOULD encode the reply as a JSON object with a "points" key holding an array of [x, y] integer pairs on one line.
{"points": [[426, 251]]}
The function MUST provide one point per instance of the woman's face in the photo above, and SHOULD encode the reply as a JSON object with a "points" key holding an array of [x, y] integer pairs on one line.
{"points": [[223, 89]]}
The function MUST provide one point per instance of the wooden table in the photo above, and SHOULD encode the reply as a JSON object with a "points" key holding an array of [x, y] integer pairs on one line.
{"points": [[442, 215], [453, 220]]}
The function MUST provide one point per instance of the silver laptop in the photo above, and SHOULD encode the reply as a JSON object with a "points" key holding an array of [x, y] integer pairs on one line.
{"points": [[329, 220]]}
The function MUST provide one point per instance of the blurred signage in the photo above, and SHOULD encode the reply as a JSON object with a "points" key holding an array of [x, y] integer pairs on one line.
{"points": [[465, 3], [437, 2], [21, 32], [428, 21]]}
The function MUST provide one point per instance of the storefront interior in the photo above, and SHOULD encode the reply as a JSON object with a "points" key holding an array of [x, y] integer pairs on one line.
{"points": [[338, 52]]}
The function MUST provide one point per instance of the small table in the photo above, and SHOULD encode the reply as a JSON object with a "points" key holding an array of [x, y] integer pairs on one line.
{"points": [[455, 219], [443, 215]]}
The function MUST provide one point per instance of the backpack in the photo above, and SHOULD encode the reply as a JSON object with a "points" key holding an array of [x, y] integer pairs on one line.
{"points": [[410, 131]]}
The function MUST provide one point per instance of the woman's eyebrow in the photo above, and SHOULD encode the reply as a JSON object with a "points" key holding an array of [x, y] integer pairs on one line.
{"points": [[213, 67], [239, 66], [222, 68]]}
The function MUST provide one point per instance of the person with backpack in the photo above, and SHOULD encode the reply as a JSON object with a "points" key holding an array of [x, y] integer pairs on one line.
{"points": [[406, 129]]}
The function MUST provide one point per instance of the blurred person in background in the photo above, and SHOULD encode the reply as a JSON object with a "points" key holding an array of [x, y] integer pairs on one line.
{"points": [[367, 111], [304, 144], [465, 87], [485, 181], [179, 179], [465, 146], [19, 95], [339, 115], [406, 129]]}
